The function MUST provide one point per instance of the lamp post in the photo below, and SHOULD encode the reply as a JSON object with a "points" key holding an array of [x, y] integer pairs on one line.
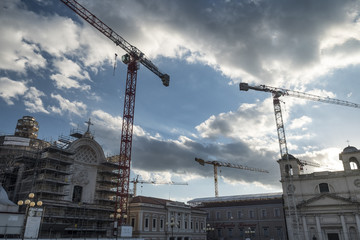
{"points": [[171, 224], [208, 229], [116, 218], [30, 203], [249, 232]]}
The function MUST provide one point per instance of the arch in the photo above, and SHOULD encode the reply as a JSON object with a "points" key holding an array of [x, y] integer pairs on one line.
{"points": [[289, 170], [89, 148], [354, 163]]}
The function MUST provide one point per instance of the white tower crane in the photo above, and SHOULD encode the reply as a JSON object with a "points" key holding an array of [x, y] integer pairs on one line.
{"points": [[217, 164], [136, 181], [294, 227]]}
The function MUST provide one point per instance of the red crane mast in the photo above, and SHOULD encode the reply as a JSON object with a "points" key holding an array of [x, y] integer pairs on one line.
{"points": [[133, 57]]}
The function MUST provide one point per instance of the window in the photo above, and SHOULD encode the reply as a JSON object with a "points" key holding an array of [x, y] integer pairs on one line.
{"points": [[229, 216], [77, 192], [289, 170], [354, 164], [197, 226], [133, 222], [241, 232], [263, 213], [279, 232], [185, 224], [251, 214], [154, 223], [240, 215], [277, 212], [217, 215], [161, 223], [146, 223], [266, 231], [219, 233], [230, 232], [324, 187]]}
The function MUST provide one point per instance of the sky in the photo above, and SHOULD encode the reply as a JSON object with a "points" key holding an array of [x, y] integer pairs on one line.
{"points": [[60, 70]]}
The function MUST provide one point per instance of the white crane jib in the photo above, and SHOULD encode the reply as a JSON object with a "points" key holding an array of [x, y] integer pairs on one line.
{"points": [[226, 164]]}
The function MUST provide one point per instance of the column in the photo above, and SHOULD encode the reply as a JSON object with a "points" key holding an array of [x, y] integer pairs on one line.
{"points": [[357, 217], [318, 227], [306, 231], [343, 224]]}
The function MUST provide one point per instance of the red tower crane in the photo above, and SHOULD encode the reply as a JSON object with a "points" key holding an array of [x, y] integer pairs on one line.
{"points": [[132, 58]]}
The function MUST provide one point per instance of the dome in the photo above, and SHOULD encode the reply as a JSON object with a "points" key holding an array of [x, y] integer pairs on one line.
{"points": [[290, 157], [349, 149]]}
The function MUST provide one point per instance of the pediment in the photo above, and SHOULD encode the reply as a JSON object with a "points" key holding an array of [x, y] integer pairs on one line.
{"points": [[325, 199]]}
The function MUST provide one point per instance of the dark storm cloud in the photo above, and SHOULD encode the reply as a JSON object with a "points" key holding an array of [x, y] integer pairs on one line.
{"points": [[246, 35], [169, 156]]}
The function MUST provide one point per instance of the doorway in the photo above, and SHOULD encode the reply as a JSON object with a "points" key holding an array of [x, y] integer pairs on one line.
{"points": [[333, 236]]}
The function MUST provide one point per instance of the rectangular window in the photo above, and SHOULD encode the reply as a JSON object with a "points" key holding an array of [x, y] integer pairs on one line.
{"points": [[279, 232], [146, 223], [266, 231], [191, 225], [240, 215], [230, 232], [251, 214], [154, 223], [241, 232], [277, 212], [77, 193], [201, 225], [219, 233], [217, 215], [197, 226], [133, 222], [161, 223], [229, 215], [186, 225], [263, 213]]}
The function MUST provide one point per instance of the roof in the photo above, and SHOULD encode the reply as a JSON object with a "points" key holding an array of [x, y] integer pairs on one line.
{"points": [[4, 200], [349, 149], [237, 198], [150, 200]]}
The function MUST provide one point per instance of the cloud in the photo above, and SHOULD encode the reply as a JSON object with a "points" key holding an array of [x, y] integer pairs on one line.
{"points": [[63, 82], [299, 122], [33, 102], [262, 41], [10, 89], [66, 106]]}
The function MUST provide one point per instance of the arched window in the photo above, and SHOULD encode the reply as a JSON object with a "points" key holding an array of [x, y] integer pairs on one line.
{"points": [[354, 164], [324, 187], [289, 170]]}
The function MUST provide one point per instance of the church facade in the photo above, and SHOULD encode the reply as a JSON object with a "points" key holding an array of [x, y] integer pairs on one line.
{"points": [[326, 204]]}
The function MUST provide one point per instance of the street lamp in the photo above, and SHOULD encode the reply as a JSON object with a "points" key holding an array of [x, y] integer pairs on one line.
{"points": [[249, 232], [208, 229], [29, 204], [116, 218], [171, 224]]}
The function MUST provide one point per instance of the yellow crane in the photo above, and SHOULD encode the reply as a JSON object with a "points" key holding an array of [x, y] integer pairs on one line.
{"points": [[136, 181], [217, 164]]}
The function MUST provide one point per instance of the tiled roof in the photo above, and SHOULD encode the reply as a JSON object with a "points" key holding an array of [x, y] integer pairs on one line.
{"points": [[150, 200]]}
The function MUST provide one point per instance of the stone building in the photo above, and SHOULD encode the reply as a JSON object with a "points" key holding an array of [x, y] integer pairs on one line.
{"points": [[255, 216], [327, 203], [160, 219], [72, 177]]}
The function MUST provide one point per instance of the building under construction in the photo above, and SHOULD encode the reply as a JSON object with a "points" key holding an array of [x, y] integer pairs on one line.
{"points": [[72, 177]]}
